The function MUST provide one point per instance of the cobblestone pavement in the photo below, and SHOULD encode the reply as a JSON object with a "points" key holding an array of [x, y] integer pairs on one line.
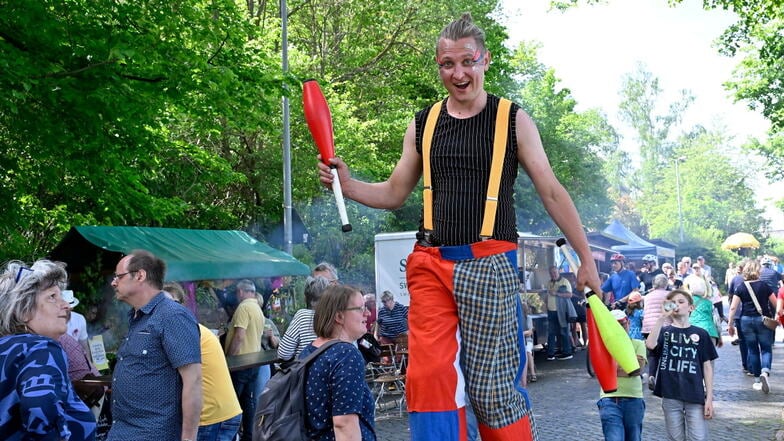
{"points": [[565, 398]]}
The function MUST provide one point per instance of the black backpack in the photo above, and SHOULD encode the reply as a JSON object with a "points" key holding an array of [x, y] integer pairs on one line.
{"points": [[280, 412]]}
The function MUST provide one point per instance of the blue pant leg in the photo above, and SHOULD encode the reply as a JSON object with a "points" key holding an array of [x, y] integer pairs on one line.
{"points": [[223, 431], [744, 352], [566, 340], [244, 382], [750, 330], [552, 332], [208, 433], [229, 428], [611, 416], [262, 379], [765, 338], [633, 414]]}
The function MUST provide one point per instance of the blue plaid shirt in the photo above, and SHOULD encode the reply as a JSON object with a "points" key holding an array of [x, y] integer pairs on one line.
{"points": [[147, 388]]}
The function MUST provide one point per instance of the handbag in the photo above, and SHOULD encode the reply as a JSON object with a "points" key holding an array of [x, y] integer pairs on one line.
{"points": [[767, 321]]}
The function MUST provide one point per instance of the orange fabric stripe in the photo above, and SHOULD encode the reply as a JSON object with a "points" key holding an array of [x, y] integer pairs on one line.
{"points": [[433, 346], [518, 431]]}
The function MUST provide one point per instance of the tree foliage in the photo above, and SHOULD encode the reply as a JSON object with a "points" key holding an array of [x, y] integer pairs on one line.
{"points": [[169, 114], [105, 107], [640, 109], [576, 144], [710, 209], [759, 79]]}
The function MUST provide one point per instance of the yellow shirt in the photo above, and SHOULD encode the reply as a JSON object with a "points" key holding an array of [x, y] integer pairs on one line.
{"points": [[219, 402], [248, 316]]}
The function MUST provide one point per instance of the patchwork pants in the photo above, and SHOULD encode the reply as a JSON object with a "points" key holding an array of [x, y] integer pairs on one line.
{"points": [[465, 336]]}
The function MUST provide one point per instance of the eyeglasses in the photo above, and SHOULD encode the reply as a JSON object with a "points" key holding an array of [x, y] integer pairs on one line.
{"points": [[465, 63], [120, 276], [21, 273], [363, 309]]}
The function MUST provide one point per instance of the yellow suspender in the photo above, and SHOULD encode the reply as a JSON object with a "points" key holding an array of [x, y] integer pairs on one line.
{"points": [[494, 183], [427, 142]]}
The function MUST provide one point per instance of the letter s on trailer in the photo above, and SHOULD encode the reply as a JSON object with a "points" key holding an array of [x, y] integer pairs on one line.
{"points": [[392, 250]]}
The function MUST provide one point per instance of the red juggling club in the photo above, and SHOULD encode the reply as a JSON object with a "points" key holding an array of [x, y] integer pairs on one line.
{"points": [[613, 335], [319, 120], [603, 364]]}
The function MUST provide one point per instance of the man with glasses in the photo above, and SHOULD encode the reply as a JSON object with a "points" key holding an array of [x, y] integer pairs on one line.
{"points": [[462, 278], [244, 337], [156, 387]]}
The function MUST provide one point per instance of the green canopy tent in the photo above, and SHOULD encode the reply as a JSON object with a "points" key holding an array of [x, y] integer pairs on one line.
{"points": [[189, 254]]}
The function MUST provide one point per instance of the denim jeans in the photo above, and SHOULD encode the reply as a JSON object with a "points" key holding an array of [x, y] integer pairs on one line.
{"points": [[244, 382], [556, 331], [621, 418], [684, 421], [223, 431], [261, 381], [759, 344], [744, 352]]}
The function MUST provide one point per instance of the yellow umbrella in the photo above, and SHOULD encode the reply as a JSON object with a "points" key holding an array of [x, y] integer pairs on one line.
{"points": [[740, 240]]}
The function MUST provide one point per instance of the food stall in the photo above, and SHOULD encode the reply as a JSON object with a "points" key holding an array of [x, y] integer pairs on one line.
{"points": [[536, 254]]}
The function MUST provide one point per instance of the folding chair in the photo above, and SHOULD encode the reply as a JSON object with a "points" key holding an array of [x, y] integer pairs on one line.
{"points": [[388, 381]]}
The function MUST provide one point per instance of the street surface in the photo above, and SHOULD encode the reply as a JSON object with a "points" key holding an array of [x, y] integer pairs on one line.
{"points": [[564, 401]]}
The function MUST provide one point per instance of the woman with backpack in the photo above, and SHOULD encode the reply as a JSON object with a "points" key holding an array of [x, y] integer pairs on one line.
{"points": [[338, 402]]}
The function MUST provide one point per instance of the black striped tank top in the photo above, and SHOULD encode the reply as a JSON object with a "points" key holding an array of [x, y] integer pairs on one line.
{"points": [[461, 153]]}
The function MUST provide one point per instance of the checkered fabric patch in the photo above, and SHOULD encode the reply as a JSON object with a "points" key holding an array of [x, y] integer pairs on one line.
{"points": [[485, 291]]}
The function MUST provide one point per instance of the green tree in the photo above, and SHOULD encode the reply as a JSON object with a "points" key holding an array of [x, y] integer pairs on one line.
{"points": [[93, 98], [640, 98], [575, 142], [759, 79], [712, 210]]}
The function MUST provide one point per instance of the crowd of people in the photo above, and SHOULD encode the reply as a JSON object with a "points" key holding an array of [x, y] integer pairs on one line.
{"points": [[678, 316]]}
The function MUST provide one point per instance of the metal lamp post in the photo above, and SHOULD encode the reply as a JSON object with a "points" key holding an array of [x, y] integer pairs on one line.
{"points": [[678, 160], [287, 203]]}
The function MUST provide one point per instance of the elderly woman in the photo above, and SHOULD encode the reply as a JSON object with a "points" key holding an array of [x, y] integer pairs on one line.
{"points": [[339, 405], [758, 338], [38, 401], [299, 334], [392, 319]]}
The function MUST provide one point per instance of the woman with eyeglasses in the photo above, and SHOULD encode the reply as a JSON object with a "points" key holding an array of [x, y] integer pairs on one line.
{"points": [[339, 405], [38, 400]]}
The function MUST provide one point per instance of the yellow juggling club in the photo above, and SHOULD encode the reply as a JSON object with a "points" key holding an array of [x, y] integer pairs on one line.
{"points": [[613, 335]]}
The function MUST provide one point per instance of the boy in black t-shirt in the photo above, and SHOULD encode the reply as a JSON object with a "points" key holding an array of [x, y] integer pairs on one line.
{"points": [[684, 375]]}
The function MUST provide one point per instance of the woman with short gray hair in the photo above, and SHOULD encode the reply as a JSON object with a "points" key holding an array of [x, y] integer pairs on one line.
{"points": [[392, 319], [38, 400], [300, 332]]}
